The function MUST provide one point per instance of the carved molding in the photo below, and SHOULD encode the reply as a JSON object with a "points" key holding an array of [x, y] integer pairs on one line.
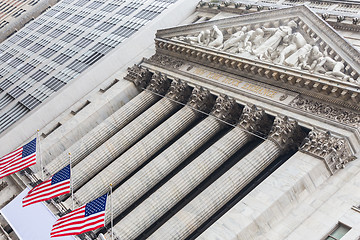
{"points": [[139, 75], [201, 99], [334, 151], [166, 61], [159, 83], [178, 91], [286, 133], [255, 120], [322, 86], [325, 110], [288, 44], [226, 109], [342, 93]]}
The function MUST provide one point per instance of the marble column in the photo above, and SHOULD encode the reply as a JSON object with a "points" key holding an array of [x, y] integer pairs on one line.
{"points": [[135, 130], [285, 134], [144, 149], [225, 108], [173, 191], [106, 129]]}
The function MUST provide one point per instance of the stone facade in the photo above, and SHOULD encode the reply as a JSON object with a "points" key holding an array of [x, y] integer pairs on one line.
{"points": [[220, 139]]}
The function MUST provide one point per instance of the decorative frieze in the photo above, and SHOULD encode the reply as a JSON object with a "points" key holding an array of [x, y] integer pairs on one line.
{"points": [[139, 75], [286, 133], [287, 45], [178, 91], [226, 109], [166, 61], [255, 120], [315, 61], [201, 99], [325, 110], [159, 83], [333, 150]]}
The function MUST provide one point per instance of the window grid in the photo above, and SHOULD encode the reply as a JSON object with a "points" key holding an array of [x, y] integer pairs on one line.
{"points": [[78, 41]]}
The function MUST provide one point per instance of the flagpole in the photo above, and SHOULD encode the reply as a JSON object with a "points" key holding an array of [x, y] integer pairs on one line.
{"points": [[41, 163], [71, 183], [111, 209]]}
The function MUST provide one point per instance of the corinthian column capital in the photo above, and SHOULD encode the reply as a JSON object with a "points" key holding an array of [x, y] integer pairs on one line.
{"points": [[255, 120], [334, 151], [178, 91], [159, 83], [226, 108], [286, 133], [139, 76], [201, 99]]}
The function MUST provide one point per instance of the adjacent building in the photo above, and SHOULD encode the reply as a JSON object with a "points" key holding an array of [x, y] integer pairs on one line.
{"points": [[240, 121]]}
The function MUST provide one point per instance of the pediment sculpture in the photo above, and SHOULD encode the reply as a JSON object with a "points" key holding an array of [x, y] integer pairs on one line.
{"points": [[284, 44]]}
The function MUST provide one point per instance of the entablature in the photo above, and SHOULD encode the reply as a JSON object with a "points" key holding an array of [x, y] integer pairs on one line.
{"points": [[323, 65]]}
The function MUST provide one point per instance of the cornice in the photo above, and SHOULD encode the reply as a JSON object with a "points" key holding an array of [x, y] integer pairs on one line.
{"points": [[320, 86]]}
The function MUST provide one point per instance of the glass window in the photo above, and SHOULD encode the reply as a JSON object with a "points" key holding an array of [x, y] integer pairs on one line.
{"points": [[63, 15], [110, 7], [338, 232], [95, 5], [81, 2], [76, 19]]}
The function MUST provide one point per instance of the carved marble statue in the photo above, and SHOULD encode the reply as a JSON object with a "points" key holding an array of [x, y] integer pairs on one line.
{"points": [[218, 37], [330, 67], [273, 42], [235, 39], [253, 38], [284, 45], [294, 42]]}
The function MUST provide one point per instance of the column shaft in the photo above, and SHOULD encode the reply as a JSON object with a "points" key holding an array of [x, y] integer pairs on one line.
{"points": [[136, 155], [121, 141], [162, 165], [195, 213], [180, 185], [105, 130]]}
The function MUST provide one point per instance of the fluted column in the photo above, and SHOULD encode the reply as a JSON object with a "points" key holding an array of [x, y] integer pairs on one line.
{"points": [[106, 129], [144, 149], [126, 137], [192, 175], [284, 135], [168, 160]]}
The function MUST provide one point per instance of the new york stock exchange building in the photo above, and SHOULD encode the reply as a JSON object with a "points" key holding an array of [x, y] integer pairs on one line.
{"points": [[242, 123]]}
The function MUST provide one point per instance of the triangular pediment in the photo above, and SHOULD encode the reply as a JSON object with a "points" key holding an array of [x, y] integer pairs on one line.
{"points": [[293, 46]]}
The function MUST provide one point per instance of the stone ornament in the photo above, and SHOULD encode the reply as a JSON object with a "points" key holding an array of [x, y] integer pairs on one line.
{"points": [[337, 114], [334, 151], [166, 61], [286, 133], [286, 45], [225, 109], [139, 75], [254, 120], [201, 99], [159, 83], [178, 91]]}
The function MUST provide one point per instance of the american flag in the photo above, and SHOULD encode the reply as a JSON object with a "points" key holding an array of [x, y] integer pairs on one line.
{"points": [[19, 159], [57, 185], [86, 218]]}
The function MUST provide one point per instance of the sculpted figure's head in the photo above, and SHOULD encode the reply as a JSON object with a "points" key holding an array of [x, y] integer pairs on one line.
{"points": [[315, 52], [259, 32], [244, 29], [292, 24]]}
